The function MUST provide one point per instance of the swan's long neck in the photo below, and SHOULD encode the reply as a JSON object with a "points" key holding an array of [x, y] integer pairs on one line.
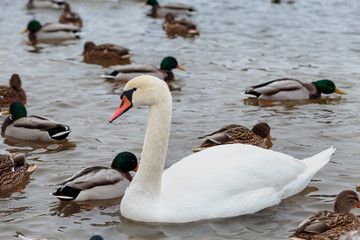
{"points": [[147, 180]]}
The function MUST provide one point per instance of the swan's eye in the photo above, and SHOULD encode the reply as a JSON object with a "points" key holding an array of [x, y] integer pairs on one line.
{"points": [[134, 89]]}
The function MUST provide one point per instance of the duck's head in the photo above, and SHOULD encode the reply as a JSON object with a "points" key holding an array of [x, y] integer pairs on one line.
{"points": [[169, 63], [125, 161], [33, 26], [15, 82], [96, 237], [262, 129], [144, 90], [152, 2], [17, 110], [88, 46], [327, 86], [346, 201]]}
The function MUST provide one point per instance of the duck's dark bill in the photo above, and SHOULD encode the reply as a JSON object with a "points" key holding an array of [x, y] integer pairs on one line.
{"points": [[124, 106]]}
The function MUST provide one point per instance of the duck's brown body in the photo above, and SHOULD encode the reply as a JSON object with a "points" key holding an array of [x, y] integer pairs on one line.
{"points": [[330, 225], [12, 93], [13, 168], [235, 133]]}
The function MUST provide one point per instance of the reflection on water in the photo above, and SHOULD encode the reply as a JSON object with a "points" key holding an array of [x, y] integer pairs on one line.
{"points": [[38, 147]]}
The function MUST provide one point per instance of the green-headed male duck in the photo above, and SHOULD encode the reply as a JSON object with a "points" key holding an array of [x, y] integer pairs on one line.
{"points": [[32, 128], [99, 182], [292, 89], [51, 31], [128, 72]]}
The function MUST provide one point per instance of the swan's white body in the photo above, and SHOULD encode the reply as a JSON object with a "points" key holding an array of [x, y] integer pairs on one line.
{"points": [[222, 181]]}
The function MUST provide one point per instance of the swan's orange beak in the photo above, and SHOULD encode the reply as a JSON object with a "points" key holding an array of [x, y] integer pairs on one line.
{"points": [[123, 107]]}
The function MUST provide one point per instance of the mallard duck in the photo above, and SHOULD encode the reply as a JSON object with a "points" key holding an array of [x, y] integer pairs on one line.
{"points": [[33, 128], [99, 182], [105, 54], [12, 93], [331, 224], [192, 189], [128, 72], [158, 11], [235, 133], [51, 31], [56, 4], [292, 89], [69, 17], [13, 168], [181, 27]]}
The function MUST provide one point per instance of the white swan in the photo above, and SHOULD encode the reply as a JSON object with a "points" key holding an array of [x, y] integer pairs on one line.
{"points": [[221, 181]]}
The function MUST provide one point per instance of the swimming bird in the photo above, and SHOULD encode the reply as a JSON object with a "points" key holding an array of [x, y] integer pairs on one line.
{"points": [[180, 27], [13, 168], [218, 182], [12, 93], [105, 54], [99, 182], [69, 17], [125, 73], [33, 128], [291, 89], [158, 11], [331, 224], [51, 31], [235, 133], [55, 4]]}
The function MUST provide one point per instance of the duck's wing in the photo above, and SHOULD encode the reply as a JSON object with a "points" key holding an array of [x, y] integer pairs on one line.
{"points": [[223, 129], [6, 163], [141, 68], [92, 177], [275, 86], [36, 122], [55, 27], [324, 220], [111, 47]]}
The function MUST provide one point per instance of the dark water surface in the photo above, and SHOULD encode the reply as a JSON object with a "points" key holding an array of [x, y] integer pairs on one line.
{"points": [[241, 43]]}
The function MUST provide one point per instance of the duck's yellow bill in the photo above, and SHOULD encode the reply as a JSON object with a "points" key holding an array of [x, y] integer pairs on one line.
{"points": [[137, 167], [5, 112], [25, 31], [339, 91], [181, 68]]}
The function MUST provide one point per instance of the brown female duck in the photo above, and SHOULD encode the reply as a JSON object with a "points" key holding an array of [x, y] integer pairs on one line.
{"points": [[180, 27], [235, 133], [331, 225], [13, 168], [13, 93], [105, 54], [69, 17]]}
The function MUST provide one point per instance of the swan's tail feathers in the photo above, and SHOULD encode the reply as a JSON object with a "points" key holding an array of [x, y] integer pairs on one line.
{"points": [[319, 160]]}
